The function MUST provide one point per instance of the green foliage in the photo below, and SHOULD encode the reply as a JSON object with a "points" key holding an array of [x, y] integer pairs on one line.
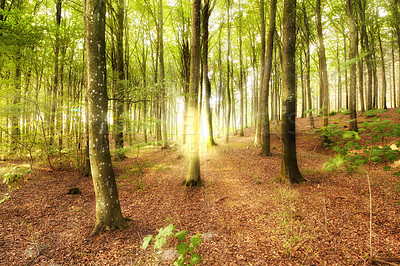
{"points": [[352, 153], [185, 247], [331, 132], [332, 113], [373, 112], [13, 177]]}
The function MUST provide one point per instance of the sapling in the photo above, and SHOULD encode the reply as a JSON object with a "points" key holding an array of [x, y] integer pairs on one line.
{"points": [[186, 246]]}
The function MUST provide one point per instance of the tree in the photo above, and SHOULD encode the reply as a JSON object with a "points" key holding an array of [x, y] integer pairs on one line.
{"points": [[264, 122], [289, 169], [353, 78], [120, 76], [206, 81], [323, 68], [257, 138], [228, 74], [108, 210], [193, 175]]}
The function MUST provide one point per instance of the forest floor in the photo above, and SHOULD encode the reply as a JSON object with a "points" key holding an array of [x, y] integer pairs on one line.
{"points": [[245, 216]]}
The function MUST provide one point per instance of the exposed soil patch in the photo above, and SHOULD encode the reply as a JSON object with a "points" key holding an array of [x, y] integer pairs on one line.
{"points": [[246, 218]]}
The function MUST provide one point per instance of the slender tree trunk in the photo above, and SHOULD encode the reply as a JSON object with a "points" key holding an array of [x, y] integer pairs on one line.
{"points": [[55, 85], [15, 116], [120, 77], [397, 31], [193, 176], [340, 87], [164, 135], [308, 65], [228, 90], [241, 134], [108, 211], [257, 140], [289, 169], [353, 79], [394, 103], [323, 67], [207, 85], [264, 122], [346, 83]]}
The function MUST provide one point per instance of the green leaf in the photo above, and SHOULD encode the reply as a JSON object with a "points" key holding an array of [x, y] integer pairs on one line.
{"points": [[348, 134], [182, 248], [195, 240], [195, 258], [167, 231], [386, 168], [356, 136], [160, 241], [178, 263], [147, 241], [181, 235]]}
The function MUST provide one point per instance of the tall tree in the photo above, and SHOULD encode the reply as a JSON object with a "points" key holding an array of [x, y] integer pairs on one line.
{"points": [[206, 81], [241, 102], [162, 74], [384, 84], [307, 56], [108, 210], [352, 57], [257, 139], [228, 74], [120, 75], [193, 175], [322, 68], [396, 15], [289, 169], [264, 122]]}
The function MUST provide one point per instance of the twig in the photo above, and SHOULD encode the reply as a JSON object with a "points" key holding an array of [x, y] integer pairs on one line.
{"points": [[386, 261], [127, 101]]}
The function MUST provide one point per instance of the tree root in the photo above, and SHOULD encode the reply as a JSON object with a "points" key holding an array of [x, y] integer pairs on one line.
{"points": [[101, 227]]}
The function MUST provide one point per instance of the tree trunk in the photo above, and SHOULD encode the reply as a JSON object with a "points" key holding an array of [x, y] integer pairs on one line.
{"points": [[264, 122], [108, 211], [193, 176], [323, 68], [308, 65], [120, 77], [164, 135], [228, 92], [55, 84], [352, 57], [241, 134], [397, 31], [257, 140], [289, 169], [394, 103], [207, 85]]}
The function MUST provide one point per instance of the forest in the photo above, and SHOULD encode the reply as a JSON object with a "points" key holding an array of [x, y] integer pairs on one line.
{"points": [[203, 132]]}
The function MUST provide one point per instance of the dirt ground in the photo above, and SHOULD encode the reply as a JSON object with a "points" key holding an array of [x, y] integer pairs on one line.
{"points": [[245, 216]]}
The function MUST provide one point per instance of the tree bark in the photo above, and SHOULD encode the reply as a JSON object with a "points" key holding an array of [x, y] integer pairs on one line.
{"points": [[257, 140], [206, 80], [108, 211], [228, 90], [289, 169], [193, 175], [164, 135], [241, 134], [120, 76], [265, 143], [308, 65], [352, 57], [323, 68]]}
